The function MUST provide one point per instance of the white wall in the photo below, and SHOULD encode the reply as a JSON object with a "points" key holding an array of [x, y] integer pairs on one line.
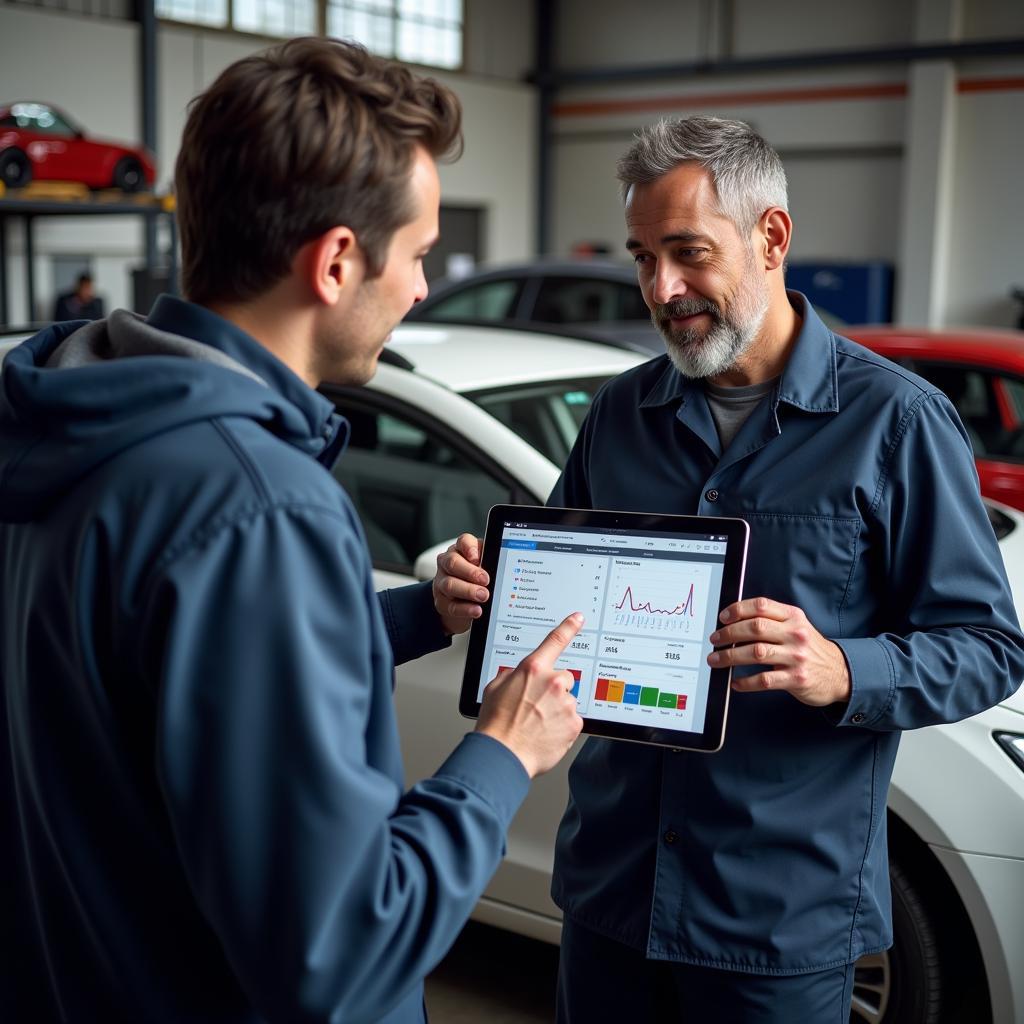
{"points": [[987, 236], [842, 157], [499, 38], [89, 66], [843, 132]]}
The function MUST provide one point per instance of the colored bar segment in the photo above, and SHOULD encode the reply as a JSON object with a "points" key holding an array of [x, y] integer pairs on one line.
{"points": [[616, 687], [681, 703], [667, 700], [632, 694], [649, 696], [601, 693], [576, 674]]}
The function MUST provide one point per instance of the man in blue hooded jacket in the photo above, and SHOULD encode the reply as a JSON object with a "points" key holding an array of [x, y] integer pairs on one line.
{"points": [[203, 810]]}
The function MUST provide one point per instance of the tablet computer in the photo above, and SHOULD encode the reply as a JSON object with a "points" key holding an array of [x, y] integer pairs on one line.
{"points": [[650, 588]]}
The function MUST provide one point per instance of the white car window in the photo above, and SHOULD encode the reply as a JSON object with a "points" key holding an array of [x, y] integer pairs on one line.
{"points": [[411, 486], [577, 300], [546, 415], [492, 300]]}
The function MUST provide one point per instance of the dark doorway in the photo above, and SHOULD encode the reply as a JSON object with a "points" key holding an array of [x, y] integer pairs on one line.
{"points": [[462, 241]]}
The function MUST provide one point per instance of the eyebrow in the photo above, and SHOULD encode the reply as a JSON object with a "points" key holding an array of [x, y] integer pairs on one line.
{"points": [[679, 236]]}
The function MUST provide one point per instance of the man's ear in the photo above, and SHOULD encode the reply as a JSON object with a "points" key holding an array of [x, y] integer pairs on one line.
{"points": [[333, 264], [775, 231]]}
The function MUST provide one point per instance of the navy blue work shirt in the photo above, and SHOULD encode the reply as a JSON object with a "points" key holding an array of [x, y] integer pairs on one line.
{"points": [[859, 486]]}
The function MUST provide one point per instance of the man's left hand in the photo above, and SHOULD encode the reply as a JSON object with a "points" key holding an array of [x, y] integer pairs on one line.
{"points": [[803, 662], [460, 586]]}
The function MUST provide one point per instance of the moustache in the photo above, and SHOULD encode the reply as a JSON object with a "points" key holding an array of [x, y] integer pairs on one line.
{"points": [[679, 308]]}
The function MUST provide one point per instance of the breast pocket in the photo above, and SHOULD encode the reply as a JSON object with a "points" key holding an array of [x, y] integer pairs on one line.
{"points": [[803, 560]]}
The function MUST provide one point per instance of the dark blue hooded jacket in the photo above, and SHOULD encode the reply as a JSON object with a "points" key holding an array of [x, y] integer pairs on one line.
{"points": [[204, 815]]}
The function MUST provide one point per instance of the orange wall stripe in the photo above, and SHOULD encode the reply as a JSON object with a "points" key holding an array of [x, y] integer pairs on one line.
{"points": [[989, 84], [760, 96], [724, 99]]}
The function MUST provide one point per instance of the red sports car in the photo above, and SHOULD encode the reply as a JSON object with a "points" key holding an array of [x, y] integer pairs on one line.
{"points": [[982, 372], [38, 141]]}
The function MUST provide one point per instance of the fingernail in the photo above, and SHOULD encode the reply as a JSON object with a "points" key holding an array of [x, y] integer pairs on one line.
{"points": [[475, 613], [577, 618], [714, 637], [482, 577], [725, 616], [714, 658], [481, 595]]}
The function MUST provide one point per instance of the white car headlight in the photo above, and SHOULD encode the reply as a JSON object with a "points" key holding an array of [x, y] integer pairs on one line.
{"points": [[1013, 744]]}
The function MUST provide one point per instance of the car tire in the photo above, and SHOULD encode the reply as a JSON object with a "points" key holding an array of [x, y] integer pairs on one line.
{"points": [[15, 168], [904, 984], [128, 175]]}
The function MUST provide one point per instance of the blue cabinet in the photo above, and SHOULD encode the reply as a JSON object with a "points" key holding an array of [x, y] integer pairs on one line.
{"points": [[856, 293]]}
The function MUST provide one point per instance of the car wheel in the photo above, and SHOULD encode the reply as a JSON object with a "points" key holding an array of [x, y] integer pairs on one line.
{"points": [[15, 168], [128, 175], [902, 985]]}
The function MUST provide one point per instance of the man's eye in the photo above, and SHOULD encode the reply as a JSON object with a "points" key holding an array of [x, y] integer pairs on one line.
{"points": [[640, 257]]}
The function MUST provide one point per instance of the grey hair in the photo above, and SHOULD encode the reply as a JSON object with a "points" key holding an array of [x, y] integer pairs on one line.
{"points": [[747, 173]]}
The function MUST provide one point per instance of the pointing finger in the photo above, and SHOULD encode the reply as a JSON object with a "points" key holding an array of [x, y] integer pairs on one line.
{"points": [[558, 639]]}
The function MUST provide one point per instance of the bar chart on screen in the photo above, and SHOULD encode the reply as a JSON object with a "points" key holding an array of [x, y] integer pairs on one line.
{"points": [[657, 598], [646, 691]]}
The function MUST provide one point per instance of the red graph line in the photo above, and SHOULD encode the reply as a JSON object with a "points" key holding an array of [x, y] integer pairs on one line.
{"points": [[686, 608]]}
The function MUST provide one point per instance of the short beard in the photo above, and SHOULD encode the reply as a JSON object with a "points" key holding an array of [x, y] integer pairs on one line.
{"points": [[701, 354]]}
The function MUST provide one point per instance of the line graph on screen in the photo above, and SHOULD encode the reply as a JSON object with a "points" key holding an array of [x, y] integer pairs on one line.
{"points": [[656, 598]]}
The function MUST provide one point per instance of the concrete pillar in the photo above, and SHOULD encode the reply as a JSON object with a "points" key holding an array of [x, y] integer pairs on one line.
{"points": [[928, 171]]}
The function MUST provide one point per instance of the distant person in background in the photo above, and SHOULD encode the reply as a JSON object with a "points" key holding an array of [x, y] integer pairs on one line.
{"points": [[81, 304]]}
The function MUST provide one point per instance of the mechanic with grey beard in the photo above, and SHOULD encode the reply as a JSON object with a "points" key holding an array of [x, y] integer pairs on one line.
{"points": [[743, 885]]}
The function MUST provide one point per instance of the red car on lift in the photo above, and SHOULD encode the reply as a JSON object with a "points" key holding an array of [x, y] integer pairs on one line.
{"points": [[38, 141], [982, 372]]}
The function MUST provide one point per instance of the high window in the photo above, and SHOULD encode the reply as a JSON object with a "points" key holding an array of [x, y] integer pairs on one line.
{"points": [[417, 31]]}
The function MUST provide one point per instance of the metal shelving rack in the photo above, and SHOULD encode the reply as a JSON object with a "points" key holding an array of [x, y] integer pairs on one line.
{"points": [[29, 207]]}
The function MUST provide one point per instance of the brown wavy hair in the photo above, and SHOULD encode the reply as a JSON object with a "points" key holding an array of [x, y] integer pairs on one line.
{"points": [[291, 142]]}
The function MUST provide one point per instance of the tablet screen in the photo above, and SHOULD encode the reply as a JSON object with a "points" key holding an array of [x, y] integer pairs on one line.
{"points": [[650, 599]]}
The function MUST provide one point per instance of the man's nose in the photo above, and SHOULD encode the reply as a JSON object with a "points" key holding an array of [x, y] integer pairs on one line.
{"points": [[669, 284], [422, 289]]}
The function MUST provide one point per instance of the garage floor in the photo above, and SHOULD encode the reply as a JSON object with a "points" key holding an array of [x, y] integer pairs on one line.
{"points": [[494, 976]]}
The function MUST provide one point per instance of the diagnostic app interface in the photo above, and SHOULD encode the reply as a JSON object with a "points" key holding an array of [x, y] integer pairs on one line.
{"points": [[650, 603]]}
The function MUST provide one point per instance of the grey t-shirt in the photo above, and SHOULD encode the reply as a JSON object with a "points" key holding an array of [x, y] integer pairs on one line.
{"points": [[730, 407]]}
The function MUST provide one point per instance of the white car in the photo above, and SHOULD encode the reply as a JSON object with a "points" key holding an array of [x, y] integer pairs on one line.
{"points": [[460, 418]]}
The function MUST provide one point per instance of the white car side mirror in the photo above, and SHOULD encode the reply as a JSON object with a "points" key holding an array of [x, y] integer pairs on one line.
{"points": [[425, 567]]}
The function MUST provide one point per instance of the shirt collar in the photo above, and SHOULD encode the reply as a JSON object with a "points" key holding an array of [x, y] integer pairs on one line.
{"points": [[189, 320], [808, 381]]}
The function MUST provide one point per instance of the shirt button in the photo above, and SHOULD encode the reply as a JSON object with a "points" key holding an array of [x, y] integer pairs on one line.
{"points": [[858, 717], [670, 837], [711, 494]]}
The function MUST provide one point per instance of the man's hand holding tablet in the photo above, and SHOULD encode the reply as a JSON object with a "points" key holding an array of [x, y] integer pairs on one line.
{"points": [[460, 586]]}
